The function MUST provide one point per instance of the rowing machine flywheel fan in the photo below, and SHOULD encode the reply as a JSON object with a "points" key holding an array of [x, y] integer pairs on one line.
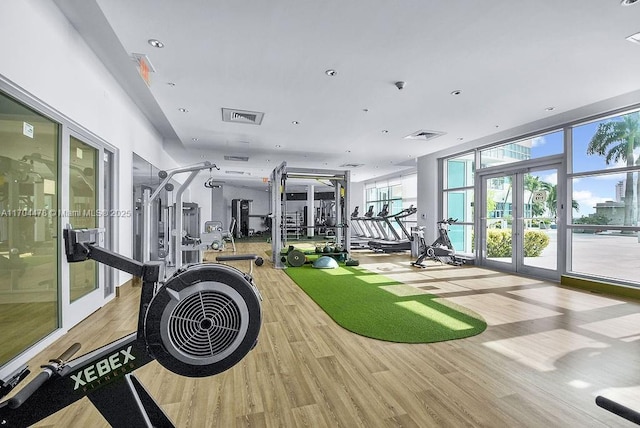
{"points": [[204, 320]]}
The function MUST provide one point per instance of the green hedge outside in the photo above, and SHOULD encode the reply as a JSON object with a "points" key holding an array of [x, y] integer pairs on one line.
{"points": [[499, 243]]}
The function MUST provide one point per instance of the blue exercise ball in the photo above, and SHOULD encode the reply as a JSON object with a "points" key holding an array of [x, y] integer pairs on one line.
{"points": [[325, 262]]}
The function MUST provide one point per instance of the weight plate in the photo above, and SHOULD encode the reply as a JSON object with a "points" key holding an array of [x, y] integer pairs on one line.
{"points": [[296, 258]]}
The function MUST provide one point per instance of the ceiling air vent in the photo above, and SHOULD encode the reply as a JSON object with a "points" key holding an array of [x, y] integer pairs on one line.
{"points": [[351, 165], [424, 135], [242, 116], [237, 158]]}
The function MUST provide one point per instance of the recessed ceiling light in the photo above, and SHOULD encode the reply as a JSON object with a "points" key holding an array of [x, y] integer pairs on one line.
{"points": [[330, 72], [384, 131], [183, 110], [456, 92], [348, 151], [295, 122], [155, 43], [171, 84], [460, 138], [634, 38], [194, 139], [278, 146], [550, 108], [628, 2], [366, 110]]}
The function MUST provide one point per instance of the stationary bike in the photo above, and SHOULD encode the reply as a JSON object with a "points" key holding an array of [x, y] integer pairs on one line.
{"points": [[441, 250]]}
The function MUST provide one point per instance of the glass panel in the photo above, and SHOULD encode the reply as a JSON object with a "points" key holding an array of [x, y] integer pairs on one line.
{"points": [[607, 143], [410, 187], [499, 219], [459, 171], [600, 199], [539, 216], [83, 205], [371, 194], [459, 204], [530, 148], [28, 228], [606, 254], [461, 236], [383, 194], [396, 192]]}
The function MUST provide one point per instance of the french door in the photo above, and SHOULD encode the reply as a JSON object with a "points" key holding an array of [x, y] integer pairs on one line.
{"points": [[519, 218]]}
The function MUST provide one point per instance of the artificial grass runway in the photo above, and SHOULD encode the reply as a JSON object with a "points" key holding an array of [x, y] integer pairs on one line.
{"points": [[364, 303]]}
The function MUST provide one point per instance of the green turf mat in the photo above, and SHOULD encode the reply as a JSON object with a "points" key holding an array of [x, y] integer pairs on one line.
{"points": [[375, 306]]}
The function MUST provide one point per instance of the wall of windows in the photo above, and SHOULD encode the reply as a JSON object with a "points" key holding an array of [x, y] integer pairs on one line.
{"points": [[605, 166], [458, 197], [601, 194], [396, 194]]}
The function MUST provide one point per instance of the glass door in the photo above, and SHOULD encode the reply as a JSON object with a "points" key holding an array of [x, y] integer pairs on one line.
{"points": [[497, 223], [29, 189], [86, 279], [519, 230]]}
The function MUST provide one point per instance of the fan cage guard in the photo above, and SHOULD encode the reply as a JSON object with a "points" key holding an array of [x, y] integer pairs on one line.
{"points": [[204, 324]]}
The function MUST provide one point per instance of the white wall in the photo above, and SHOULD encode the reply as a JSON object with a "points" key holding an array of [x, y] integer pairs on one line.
{"points": [[43, 55], [428, 213], [357, 197]]}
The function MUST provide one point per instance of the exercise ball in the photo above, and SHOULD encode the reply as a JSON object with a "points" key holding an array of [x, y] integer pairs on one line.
{"points": [[325, 262]]}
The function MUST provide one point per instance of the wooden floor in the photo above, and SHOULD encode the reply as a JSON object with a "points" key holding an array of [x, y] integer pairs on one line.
{"points": [[547, 352]]}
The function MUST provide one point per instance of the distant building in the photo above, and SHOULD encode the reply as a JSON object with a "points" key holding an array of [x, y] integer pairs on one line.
{"points": [[620, 191], [613, 210]]}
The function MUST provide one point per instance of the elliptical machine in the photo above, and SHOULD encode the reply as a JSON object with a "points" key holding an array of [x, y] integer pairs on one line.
{"points": [[441, 250]]}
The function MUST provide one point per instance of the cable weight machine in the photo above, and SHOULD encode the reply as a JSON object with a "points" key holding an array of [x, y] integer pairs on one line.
{"points": [[202, 321]]}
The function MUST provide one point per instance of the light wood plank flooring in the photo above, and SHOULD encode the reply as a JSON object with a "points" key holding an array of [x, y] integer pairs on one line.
{"points": [[547, 352]]}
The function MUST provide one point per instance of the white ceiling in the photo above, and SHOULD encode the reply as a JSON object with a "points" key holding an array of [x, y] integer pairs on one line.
{"points": [[511, 60]]}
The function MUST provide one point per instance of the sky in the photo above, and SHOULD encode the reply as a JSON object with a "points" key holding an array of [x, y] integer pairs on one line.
{"points": [[587, 191]]}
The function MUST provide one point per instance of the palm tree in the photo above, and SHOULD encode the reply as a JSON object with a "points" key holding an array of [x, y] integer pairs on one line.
{"points": [[552, 199], [616, 140], [532, 184]]}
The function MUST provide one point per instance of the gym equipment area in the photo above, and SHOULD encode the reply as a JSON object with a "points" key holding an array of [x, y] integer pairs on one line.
{"points": [[182, 226], [333, 221], [390, 239], [319, 214], [441, 250], [202, 321]]}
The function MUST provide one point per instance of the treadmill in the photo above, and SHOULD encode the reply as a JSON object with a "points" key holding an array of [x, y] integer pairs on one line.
{"points": [[397, 243]]}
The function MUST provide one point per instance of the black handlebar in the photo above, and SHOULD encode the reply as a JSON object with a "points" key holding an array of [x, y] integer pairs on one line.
{"points": [[47, 371], [618, 409], [449, 220], [26, 392]]}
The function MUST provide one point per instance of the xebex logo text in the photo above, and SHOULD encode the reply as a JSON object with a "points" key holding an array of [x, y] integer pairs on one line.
{"points": [[114, 364]]}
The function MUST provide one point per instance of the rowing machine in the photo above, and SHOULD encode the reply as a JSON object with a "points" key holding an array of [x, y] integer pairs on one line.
{"points": [[203, 320]]}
